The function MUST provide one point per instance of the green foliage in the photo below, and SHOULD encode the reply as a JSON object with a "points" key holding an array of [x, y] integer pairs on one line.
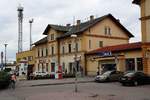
{"points": [[4, 79], [7, 69]]}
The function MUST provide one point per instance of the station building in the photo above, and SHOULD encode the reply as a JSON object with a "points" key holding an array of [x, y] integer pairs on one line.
{"points": [[59, 48]]}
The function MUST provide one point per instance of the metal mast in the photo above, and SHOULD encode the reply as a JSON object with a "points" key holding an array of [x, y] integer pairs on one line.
{"points": [[30, 22], [20, 20]]}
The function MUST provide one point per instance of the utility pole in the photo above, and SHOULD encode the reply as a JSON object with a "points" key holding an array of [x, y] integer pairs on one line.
{"points": [[75, 61], [5, 53], [30, 22], [2, 65]]}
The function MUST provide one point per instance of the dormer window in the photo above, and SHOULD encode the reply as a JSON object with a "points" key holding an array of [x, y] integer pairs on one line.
{"points": [[107, 30], [52, 36]]}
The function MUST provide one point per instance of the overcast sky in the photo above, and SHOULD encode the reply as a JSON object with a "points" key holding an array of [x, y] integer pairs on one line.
{"points": [[60, 12]]}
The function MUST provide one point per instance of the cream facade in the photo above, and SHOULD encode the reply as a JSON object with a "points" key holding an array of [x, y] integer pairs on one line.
{"points": [[145, 24], [60, 48], [121, 60]]}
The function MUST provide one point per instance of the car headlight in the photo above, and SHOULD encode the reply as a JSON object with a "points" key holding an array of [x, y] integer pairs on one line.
{"points": [[104, 77]]}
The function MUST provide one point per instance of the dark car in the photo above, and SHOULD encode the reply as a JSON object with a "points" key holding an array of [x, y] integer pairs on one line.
{"points": [[134, 78], [109, 76]]}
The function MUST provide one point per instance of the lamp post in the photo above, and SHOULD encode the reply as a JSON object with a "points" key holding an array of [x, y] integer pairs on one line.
{"points": [[30, 22], [5, 53], [75, 62]]}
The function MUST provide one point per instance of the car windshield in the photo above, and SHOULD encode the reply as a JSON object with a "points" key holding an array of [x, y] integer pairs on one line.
{"points": [[129, 74], [107, 73]]}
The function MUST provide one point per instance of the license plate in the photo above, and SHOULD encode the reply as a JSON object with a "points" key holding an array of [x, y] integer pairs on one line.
{"points": [[123, 79]]}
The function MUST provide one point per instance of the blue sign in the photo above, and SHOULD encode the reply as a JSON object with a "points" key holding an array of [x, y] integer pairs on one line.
{"points": [[104, 54]]}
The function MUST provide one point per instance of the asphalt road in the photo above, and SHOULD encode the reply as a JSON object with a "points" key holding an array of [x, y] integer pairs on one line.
{"points": [[105, 91]]}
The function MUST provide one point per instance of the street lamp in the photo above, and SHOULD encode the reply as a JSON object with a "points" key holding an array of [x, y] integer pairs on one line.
{"points": [[30, 22], [75, 61], [5, 53]]}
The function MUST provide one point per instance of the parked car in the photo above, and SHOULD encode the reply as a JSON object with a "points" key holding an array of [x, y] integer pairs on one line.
{"points": [[109, 76], [35, 74], [134, 78]]}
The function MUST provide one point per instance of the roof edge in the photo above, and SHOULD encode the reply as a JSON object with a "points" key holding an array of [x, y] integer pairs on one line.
{"points": [[136, 2]]}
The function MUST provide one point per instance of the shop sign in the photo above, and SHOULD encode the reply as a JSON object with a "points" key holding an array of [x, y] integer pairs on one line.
{"points": [[42, 61], [104, 54]]}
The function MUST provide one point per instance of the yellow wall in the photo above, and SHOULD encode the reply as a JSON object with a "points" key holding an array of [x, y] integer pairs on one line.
{"points": [[97, 33], [145, 27], [99, 29], [147, 7], [26, 54], [92, 65]]}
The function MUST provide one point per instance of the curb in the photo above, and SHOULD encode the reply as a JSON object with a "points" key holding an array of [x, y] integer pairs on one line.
{"points": [[59, 83]]}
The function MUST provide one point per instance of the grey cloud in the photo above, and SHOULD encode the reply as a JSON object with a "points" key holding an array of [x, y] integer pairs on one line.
{"points": [[60, 12]]}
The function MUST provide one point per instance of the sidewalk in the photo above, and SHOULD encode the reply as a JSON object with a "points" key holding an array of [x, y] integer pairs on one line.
{"points": [[45, 82]]}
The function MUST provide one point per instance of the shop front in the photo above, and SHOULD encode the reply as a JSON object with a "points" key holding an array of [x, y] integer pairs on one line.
{"points": [[126, 57]]}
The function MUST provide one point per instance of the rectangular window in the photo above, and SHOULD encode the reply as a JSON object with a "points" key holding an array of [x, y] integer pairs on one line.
{"points": [[89, 44], [52, 36], [139, 64], [46, 52], [107, 30], [100, 43], [63, 50], [38, 53], [52, 67], [30, 58], [46, 67], [69, 48], [63, 67], [42, 68], [130, 64], [42, 52], [52, 50], [76, 46]]}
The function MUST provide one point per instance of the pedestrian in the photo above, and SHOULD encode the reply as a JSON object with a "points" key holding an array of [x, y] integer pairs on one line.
{"points": [[13, 80], [81, 71]]}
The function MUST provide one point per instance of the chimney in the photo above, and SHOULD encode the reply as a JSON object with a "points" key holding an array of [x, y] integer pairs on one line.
{"points": [[78, 22], [68, 25], [118, 20], [91, 17]]}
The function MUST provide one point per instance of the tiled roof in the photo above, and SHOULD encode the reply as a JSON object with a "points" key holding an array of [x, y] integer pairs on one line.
{"points": [[117, 48], [84, 26], [42, 41], [56, 27], [136, 1]]}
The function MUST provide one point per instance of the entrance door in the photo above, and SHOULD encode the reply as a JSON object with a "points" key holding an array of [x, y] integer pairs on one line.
{"points": [[52, 67], [130, 64], [108, 67]]}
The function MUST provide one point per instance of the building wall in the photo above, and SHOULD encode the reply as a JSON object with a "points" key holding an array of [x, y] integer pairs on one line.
{"points": [[145, 24], [147, 13], [26, 55], [93, 64], [97, 33], [42, 60], [67, 57]]}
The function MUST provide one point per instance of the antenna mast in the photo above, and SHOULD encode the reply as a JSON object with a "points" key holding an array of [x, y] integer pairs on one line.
{"points": [[20, 32]]}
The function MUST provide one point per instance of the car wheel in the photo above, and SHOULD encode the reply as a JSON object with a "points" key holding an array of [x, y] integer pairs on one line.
{"points": [[135, 83], [123, 84]]}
